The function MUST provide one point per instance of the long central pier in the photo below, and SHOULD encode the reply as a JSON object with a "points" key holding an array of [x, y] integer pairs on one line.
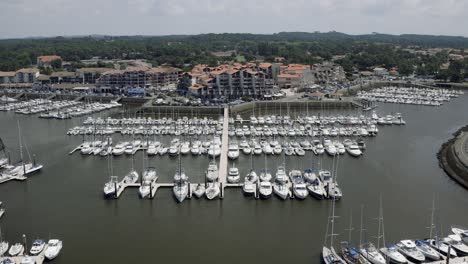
{"points": [[223, 163]]}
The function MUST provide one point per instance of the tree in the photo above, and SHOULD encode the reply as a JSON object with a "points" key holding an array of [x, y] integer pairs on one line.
{"points": [[184, 83], [56, 64], [405, 68]]}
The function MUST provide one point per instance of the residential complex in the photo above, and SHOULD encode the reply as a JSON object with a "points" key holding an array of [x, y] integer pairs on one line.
{"points": [[27, 75], [131, 77]]}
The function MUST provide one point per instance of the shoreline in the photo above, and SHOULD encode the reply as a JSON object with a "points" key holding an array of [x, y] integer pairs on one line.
{"points": [[452, 161]]}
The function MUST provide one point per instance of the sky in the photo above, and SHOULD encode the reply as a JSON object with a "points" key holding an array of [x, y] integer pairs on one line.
{"points": [[25, 18]]}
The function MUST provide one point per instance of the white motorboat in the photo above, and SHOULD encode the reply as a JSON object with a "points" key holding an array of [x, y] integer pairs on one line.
{"points": [[299, 151], [180, 175], [281, 176], [233, 151], [149, 178], [214, 150], [331, 149], [131, 177], [462, 232], [152, 150], [334, 191], [265, 189], [319, 149], [281, 190], [16, 249], [119, 149], [195, 150], [173, 150], [251, 176], [354, 150], [247, 150], [233, 175], [456, 242], [37, 246], [441, 247], [212, 190], [409, 250], [299, 186], [212, 172], [180, 190], [185, 148], [257, 149], [325, 176], [317, 190], [248, 187], [54, 246], [265, 175], [162, 150], [393, 255], [199, 191], [309, 176], [112, 187], [369, 251], [429, 253]]}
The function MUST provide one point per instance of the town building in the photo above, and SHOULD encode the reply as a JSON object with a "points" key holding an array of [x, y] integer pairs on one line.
{"points": [[233, 81], [378, 71], [7, 77], [90, 75], [27, 75], [46, 61], [132, 77]]}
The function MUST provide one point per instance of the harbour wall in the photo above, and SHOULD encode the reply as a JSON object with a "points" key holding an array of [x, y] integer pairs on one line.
{"points": [[453, 157]]}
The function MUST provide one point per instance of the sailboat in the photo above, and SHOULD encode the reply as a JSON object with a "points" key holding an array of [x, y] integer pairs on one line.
{"points": [[391, 252], [423, 246], [132, 176], [181, 185], [369, 251], [350, 254], [3, 245], [24, 168], [329, 255]]}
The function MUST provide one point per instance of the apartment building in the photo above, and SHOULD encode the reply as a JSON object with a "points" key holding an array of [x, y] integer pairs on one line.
{"points": [[142, 76], [232, 81], [7, 77], [27, 75]]}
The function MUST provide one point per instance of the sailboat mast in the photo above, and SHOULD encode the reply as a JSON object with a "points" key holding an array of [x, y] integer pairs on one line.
{"points": [[380, 224], [360, 232], [350, 229], [431, 227], [332, 224]]}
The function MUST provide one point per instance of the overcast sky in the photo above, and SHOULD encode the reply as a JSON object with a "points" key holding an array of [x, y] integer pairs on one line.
{"points": [[22, 18]]}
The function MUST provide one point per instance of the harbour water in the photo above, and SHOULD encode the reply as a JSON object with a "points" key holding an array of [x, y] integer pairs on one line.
{"points": [[65, 199]]}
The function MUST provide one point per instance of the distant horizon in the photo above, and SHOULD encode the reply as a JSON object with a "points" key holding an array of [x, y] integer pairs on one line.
{"points": [[48, 18], [220, 33]]}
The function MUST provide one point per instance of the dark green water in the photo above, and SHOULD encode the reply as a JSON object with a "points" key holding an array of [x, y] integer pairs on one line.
{"points": [[65, 199]]}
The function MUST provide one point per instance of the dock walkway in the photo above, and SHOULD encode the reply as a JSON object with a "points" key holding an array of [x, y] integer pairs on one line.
{"points": [[223, 163]]}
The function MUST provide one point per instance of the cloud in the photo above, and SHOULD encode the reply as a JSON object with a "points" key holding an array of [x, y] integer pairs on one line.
{"points": [[156, 17]]}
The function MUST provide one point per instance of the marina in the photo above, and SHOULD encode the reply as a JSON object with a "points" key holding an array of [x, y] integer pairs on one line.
{"points": [[159, 217]]}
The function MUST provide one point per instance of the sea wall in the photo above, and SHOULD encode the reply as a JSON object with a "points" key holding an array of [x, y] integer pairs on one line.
{"points": [[453, 157]]}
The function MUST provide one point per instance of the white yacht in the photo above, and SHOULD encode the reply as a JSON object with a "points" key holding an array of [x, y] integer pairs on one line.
{"points": [[149, 178], [249, 187], [112, 187], [233, 151], [152, 150], [281, 176], [456, 242], [16, 249], [462, 232], [233, 175], [354, 150], [281, 190], [251, 176], [53, 249], [199, 191], [309, 176], [409, 250], [265, 175], [185, 148], [212, 172], [429, 253], [317, 190], [214, 150], [37, 246], [265, 189], [331, 149], [393, 255], [212, 190], [370, 253], [131, 177], [119, 149], [299, 186], [180, 190], [441, 247]]}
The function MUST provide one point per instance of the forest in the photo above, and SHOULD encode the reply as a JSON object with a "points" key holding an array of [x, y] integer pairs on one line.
{"points": [[361, 51]]}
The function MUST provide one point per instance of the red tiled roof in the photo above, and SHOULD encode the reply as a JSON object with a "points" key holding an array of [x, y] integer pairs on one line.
{"points": [[49, 58]]}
